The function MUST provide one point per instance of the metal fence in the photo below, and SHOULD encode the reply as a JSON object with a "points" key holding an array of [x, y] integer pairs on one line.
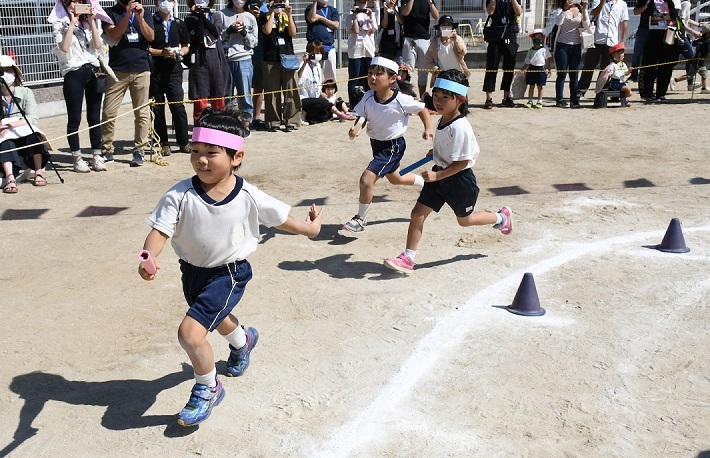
{"points": [[26, 35]]}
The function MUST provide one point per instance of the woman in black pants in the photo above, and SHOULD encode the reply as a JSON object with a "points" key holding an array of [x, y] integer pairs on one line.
{"points": [[78, 47], [503, 13], [659, 14]]}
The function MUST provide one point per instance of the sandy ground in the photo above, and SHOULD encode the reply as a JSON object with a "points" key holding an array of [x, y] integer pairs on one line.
{"points": [[353, 359]]}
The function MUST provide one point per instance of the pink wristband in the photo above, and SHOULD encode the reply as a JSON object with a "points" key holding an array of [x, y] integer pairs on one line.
{"points": [[217, 137], [147, 262]]}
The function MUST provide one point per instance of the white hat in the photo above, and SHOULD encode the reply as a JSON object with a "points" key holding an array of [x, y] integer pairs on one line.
{"points": [[7, 61]]}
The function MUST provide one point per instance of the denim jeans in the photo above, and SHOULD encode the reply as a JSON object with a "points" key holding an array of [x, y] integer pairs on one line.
{"points": [[639, 45], [358, 68], [242, 72], [567, 57]]}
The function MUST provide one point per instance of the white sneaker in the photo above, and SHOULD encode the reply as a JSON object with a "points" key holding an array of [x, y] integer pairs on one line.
{"points": [[99, 164], [673, 84], [705, 91], [81, 166], [693, 86]]}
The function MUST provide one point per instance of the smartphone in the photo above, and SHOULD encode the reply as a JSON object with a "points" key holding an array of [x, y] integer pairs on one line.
{"points": [[82, 8], [447, 33]]}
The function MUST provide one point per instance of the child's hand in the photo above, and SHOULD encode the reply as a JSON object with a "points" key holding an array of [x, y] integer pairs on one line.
{"points": [[430, 152], [145, 275], [352, 133], [428, 134], [314, 220], [429, 175]]}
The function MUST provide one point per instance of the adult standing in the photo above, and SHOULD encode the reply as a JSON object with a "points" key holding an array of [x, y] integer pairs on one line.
{"points": [[78, 46], [208, 77], [168, 49], [612, 24], [659, 15], [322, 21], [361, 45], [129, 32], [283, 104], [415, 30], [568, 50], [241, 35], [390, 37], [639, 41], [502, 13]]}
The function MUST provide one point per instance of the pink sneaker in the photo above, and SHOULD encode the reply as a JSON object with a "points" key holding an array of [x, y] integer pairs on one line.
{"points": [[506, 227], [401, 263]]}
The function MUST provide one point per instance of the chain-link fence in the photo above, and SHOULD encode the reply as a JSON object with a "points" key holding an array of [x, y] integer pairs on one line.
{"points": [[26, 35]]}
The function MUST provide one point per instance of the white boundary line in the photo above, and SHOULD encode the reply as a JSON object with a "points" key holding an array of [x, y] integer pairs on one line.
{"points": [[455, 325]]}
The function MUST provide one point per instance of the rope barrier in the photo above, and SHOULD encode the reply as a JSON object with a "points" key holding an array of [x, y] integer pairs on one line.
{"points": [[154, 137]]}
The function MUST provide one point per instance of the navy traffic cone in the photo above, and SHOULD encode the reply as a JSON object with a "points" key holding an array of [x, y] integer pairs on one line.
{"points": [[526, 302], [673, 241]]}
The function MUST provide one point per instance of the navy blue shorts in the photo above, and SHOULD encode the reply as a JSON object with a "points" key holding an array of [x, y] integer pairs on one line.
{"points": [[459, 191], [616, 85], [386, 156], [536, 76], [212, 293]]}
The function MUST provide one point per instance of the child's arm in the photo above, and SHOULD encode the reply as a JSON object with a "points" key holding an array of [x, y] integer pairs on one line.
{"points": [[310, 227], [154, 243], [357, 127], [548, 65], [428, 126], [524, 67], [453, 168]]}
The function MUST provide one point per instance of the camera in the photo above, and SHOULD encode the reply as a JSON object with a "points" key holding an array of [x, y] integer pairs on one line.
{"points": [[357, 10], [278, 6], [82, 8], [177, 52], [315, 57]]}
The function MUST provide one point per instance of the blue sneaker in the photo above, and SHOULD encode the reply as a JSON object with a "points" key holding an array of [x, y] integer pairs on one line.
{"points": [[108, 158], [199, 407], [239, 359], [137, 159]]}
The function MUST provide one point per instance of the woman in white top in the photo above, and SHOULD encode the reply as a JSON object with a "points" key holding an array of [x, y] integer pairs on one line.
{"points": [[568, 49], [361, 42], [447, 49], [78, 47]]}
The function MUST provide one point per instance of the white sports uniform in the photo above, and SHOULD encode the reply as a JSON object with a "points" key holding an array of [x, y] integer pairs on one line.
{"points": [[388, 119]]}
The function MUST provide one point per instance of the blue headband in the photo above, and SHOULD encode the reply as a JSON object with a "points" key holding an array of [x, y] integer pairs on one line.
{"points": [[452, 86]]}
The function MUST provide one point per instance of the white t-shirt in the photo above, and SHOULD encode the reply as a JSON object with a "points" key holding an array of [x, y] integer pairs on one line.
{"points": [[455, 141], [446, 56], [206, 233], [537, 57], [388, 119], [610, 19], [313, 78]]}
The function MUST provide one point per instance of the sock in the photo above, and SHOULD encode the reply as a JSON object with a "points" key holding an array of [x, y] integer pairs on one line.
{"points": [[530, 101], [410, 254], [76, 155], [237, 338], [418, 182], [208, 379], [96, 152], [362, 210], [499, 219]]}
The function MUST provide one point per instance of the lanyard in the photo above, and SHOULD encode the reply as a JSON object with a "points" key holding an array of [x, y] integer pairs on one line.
{"points": [[9, 107], [83, 34], [167, 31], [133, 18], [324, 12], [315, 73]]}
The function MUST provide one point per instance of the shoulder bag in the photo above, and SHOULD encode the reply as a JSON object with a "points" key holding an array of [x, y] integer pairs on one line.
{"points": [[587, 36], [493, 33], [290, 61]]}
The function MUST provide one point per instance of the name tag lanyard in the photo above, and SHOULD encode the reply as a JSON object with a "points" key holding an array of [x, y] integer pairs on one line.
{"points": [[167, 31]]}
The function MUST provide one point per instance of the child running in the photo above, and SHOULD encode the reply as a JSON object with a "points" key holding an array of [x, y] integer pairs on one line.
{"points": [[537, 60], [385, 110], [213, 219], [451, 181]]}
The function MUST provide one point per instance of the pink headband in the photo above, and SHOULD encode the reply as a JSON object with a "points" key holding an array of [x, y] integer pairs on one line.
{"points": [[217, 137]]}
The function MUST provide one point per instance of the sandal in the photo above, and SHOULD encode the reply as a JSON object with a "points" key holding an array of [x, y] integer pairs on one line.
{"points": [[10, 187], [40, 180]]}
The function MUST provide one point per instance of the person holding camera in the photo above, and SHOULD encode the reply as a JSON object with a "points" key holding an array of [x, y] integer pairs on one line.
{"points": [[78, 47], [241, 36], [283, 104], [503, 15], [415, 28], [321, 23], [390, 38], [129, 31], [209, 71], [361, 43], [170, 46], [447, 50]]}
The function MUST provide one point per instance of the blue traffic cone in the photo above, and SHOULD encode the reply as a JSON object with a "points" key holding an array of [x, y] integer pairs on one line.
{"points": [[673, 241], [526, 302]]}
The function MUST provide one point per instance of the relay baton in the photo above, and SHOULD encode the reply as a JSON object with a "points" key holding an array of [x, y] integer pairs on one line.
{"points": [[417, 164], [147, 262]]}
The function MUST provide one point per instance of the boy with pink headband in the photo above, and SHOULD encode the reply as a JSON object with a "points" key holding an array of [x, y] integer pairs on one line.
{"points": [[213, 219]]}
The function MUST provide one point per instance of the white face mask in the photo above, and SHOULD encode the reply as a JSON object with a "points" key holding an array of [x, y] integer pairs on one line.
{"points": [[318, 58], [323, 2], [165, 7], [9, 78], [239, 3]]}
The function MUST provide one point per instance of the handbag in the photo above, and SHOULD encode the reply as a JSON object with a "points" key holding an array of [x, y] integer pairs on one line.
{"points": [[290, 61], [587, 37], [493, 33], [100, 82]]}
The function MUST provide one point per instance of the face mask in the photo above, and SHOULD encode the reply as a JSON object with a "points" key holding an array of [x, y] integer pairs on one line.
{"points": [[239, 3], [323, 2], [317, 58], [537, 41], [165, 7], [9, 78]]}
